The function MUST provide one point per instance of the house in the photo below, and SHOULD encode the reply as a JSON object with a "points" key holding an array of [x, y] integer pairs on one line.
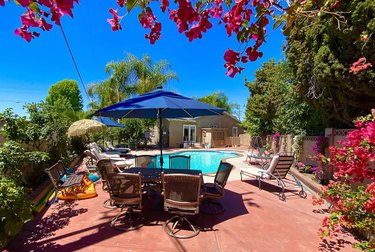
{"points": [[205, 131]]}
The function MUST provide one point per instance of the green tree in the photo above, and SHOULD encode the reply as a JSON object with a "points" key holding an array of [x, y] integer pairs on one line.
{"points": [[266, 96], [321, 54], [149, 76], [127, 77], [115, 88], [218, 99], [296, 117], [65, 92]]}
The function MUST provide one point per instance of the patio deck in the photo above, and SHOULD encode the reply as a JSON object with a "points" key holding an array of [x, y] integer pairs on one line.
{"points": [[254, 220]]}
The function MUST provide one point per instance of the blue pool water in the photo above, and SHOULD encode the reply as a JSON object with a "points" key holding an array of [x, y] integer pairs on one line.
{"points": [[207, 161]]}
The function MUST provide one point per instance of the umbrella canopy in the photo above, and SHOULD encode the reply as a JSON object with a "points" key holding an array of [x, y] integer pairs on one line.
{"points": [[109, 122], [84, 127], [159, 104]]}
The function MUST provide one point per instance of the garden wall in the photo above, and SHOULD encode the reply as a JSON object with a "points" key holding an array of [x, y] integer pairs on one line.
{"points": [[285, 142]]}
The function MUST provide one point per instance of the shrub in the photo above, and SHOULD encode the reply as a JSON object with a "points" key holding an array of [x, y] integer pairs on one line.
{"points": [[352, 206], [23, 167], [15, 209]]}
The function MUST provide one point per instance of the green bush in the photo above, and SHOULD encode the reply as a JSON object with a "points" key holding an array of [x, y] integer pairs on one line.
{"points": [[15, 209], [23, 167]]}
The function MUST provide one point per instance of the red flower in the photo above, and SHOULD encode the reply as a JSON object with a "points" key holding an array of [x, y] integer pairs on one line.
{"points": [[121, 3]]}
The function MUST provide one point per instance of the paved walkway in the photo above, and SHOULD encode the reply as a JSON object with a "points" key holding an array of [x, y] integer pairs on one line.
{"points": [[254, 220]]}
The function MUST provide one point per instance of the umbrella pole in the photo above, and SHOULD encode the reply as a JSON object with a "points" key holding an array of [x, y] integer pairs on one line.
{"points": [[160, 140]]}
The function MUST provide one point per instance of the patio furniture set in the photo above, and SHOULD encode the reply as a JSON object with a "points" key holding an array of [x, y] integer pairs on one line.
{"points": [[183, 191]]}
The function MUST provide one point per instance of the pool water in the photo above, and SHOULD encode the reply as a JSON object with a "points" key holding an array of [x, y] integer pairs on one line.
{"points": [[206, 161]]}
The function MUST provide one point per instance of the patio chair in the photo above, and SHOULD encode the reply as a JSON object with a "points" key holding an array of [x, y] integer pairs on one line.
{"points": [[56, 173], [179, 162], [126, 193], [122, 150], [145, 161], [104, 167], [148, 161], [277, 170], [181, 197], [214, 191]]}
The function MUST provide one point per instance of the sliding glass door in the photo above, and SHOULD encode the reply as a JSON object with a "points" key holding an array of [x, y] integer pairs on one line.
{"points": [[190, 135]]}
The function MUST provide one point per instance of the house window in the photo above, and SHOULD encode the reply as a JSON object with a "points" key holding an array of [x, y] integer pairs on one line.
{"points": [[235, 132], [190, 135]]}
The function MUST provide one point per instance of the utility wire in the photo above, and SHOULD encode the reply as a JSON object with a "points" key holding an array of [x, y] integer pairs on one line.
{"points": [[74, 62]]}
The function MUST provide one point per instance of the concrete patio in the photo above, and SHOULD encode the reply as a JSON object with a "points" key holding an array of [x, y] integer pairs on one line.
{"points": [[254, 220]]}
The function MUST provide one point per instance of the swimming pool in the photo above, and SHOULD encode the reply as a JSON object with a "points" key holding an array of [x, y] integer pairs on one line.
{"points": [[207, 161]]}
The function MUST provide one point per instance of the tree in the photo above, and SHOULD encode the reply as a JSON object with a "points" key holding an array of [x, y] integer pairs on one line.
{"points": [[218, 99], [321, 56], [149, 75], [116, 88], [127, 77], [65, 92], [296, 117], [246, 20], [266, 96]]}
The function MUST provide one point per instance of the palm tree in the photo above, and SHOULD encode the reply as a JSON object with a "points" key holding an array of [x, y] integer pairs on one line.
{"points": [[127, 77], [116, 88], [149, 75]]}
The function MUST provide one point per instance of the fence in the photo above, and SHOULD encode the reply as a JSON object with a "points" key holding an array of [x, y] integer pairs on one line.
{"points": [[285, 142]]}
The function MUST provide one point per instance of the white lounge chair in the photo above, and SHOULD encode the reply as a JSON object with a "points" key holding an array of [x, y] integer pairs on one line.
{"points": [[277, 170], [112, 148]]}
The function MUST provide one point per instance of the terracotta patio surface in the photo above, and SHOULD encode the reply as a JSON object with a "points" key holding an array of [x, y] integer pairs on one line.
{"points": [[254, 220]]}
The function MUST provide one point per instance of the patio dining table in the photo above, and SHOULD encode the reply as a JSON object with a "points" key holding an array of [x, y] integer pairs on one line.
{"points": [[154, 174]]}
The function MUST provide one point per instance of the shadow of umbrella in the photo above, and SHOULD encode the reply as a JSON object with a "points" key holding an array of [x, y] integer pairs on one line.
{"points": [[84, 127]]}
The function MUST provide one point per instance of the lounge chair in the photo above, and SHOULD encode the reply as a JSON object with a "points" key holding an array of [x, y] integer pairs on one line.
{"points": [[179, 162], [216, 190], [119, 162], [181, 197], [122, 150], [125, 190], [277, 170]]}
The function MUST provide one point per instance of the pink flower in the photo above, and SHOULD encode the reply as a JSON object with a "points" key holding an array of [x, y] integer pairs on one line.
{"points": [[23, 33], [115, 21], [359, 66]]}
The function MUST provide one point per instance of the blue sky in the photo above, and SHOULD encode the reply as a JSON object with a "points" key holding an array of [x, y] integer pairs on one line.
{"points": [[28, 70]]}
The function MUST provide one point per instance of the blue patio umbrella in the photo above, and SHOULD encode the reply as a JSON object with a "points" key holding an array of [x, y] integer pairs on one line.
{"points": [[159, 104], [109, 122]]}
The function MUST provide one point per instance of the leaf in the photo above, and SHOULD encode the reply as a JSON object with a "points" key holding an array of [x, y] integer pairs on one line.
{"points": [[130, 4], [35, 7], [277, 24]]}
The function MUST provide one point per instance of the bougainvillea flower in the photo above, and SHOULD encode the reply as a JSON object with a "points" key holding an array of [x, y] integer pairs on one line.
{"points": [[164, 5], [23, 33], [359, 66], [121, 3], [115, 21], [24, 3], [28, 19]]}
